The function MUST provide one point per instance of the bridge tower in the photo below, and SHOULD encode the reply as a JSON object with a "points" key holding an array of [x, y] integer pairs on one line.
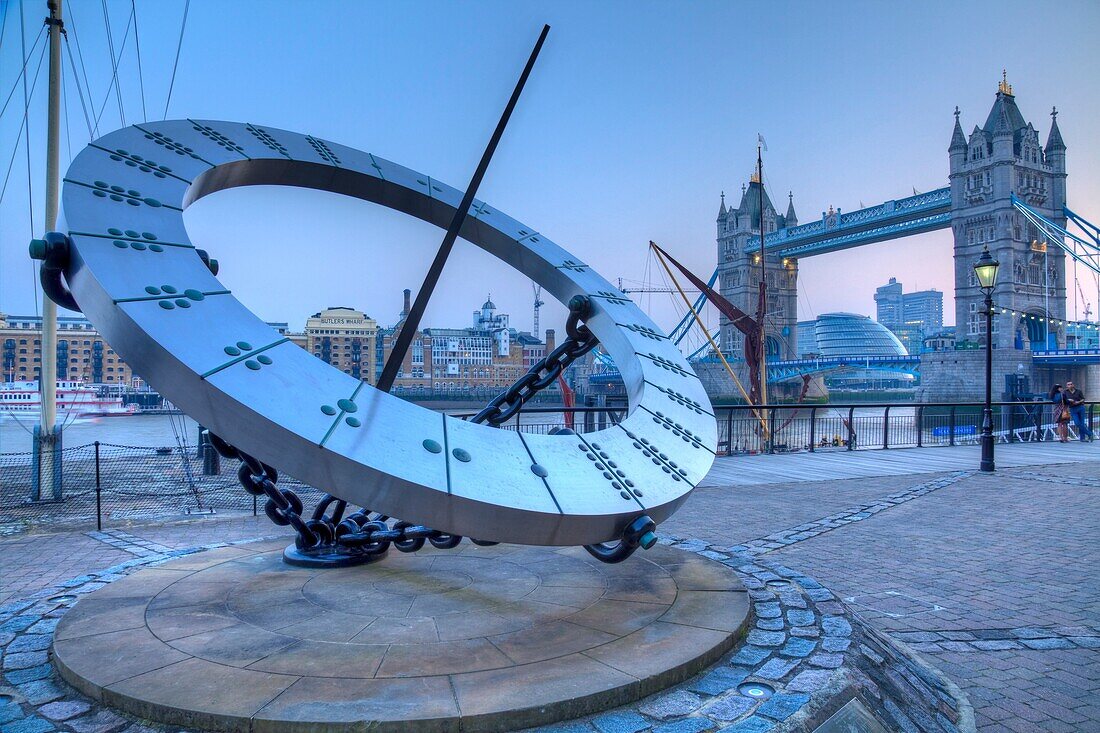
{"points": [[739, 272], [999, 159]]}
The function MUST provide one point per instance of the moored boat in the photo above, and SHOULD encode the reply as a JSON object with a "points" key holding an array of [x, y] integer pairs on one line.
{"points": [[74, 399]]}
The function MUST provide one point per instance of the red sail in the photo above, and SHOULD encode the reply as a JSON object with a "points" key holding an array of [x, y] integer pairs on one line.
{"points": [[739, 319]]}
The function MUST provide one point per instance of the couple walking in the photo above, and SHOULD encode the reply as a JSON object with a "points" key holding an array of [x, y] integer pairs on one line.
{"points": [[1069, 403]]}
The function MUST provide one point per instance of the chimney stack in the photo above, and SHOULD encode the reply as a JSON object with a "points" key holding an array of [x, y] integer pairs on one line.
{"points": [[549, 340], [408, 305]]}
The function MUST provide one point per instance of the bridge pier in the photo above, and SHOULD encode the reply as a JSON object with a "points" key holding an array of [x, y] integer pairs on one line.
{"points": [[959, 376]]}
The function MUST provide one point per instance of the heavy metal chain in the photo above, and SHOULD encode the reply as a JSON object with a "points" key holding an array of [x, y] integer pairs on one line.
{"points": [[543, 374], [362, 533]]}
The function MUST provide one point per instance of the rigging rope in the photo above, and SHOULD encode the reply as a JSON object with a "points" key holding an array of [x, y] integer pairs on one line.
{"points": [[15, 151], [79, 90], [26, 129], [717, 350], [65, 121], [114, 77], [111, 51], [3, 21], [84, 71], [26, 106], [179, 46], [137, 47], [22, 71]]}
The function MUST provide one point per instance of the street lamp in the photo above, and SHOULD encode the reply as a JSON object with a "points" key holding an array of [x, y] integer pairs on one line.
{"points": [[986, 271]]}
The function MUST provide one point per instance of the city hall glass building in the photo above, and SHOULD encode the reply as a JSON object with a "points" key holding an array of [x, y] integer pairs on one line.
{"points": [[850, 334]]}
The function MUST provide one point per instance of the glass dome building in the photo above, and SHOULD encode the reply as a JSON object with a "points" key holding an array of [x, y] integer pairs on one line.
{"points": [[850, 334]]}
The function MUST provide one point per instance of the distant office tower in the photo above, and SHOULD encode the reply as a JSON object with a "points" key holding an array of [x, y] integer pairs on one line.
{"points": [[911, 316], [889, 305], [925, 308]]}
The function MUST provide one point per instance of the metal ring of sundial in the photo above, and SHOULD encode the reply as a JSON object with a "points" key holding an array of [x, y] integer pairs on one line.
{"points": [[136, 275]]}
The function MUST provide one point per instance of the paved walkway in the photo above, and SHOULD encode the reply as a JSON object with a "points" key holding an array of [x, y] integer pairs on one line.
{"points": [[992, 577], [837, 463]]}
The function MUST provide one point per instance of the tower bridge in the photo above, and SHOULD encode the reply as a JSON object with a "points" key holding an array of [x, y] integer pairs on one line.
{"points": [[998, 165]]}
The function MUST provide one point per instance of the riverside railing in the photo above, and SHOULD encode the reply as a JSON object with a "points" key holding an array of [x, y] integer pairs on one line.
{"points": [[786, 428], [822, 427], [106, 485]]}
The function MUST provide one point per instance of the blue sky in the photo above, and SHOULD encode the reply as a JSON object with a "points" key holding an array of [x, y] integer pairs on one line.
{"points": [[636, 116]]}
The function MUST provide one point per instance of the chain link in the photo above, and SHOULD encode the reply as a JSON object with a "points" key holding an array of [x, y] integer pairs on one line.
{"points": [[543, 374], [360, 533]]}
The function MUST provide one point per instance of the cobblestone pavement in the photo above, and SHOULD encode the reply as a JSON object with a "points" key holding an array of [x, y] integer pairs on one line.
{"points": [[991, 578]]}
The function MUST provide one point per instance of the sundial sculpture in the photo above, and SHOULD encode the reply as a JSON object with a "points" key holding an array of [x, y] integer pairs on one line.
{"points": [[123, 256]]}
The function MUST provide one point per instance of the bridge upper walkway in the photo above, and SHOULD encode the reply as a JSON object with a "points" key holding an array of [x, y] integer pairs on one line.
{"points": [[924, 212]]}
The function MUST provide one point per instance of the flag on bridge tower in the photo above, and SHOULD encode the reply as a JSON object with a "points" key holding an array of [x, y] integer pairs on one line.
{"points": [[760, 140]]}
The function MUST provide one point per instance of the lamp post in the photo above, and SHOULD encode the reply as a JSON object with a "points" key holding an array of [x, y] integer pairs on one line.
{"points": [[986, 271]]}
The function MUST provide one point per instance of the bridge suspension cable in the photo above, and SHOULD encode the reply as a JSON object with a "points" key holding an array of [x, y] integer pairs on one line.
{"points": [[1081, 250], [681, 329]]}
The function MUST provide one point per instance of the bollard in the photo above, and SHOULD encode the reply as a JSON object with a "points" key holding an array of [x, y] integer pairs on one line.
{"points": [[98, 493], [211, 460], [886, 429], [813, 428], [920, 427]]}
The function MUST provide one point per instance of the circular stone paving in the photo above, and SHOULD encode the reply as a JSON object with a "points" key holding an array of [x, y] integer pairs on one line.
{"points": [[478, 638]]}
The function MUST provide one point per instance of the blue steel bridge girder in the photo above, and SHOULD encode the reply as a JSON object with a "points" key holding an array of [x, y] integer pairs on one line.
{"points": [[924, 212], [796, 368], [782, 371]]}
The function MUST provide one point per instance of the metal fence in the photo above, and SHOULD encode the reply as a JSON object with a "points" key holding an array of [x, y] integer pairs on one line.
{"points": [[110, 485], [743, 429]]}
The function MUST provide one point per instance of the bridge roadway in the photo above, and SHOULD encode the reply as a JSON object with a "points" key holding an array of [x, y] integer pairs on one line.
{"points": [[779, 371], [826, 465]]}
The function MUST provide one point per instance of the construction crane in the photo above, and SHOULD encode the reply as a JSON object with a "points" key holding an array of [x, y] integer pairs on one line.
{"points": [[538, 304], [1081, 292]]}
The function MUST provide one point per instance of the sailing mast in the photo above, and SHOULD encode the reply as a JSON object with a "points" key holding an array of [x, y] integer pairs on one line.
{"points": [[762, 304], [47, 438]]}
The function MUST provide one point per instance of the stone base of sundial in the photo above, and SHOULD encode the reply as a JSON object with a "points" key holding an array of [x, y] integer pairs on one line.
{"points": [[477, 638]]}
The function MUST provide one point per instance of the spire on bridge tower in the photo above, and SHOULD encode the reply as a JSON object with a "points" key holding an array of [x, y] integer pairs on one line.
{"points": [[1004, 87], [1054, 140], [1003, 133], [790, 219], [958, 139], [722, 209], [1002, 126]]}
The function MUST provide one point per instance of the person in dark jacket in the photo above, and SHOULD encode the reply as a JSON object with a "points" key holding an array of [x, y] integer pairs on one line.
{"points": [[1061, 412], [1075, 398]]}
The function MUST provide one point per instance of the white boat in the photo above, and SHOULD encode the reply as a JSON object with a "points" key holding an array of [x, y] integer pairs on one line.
{"points": [[22, 400]]}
